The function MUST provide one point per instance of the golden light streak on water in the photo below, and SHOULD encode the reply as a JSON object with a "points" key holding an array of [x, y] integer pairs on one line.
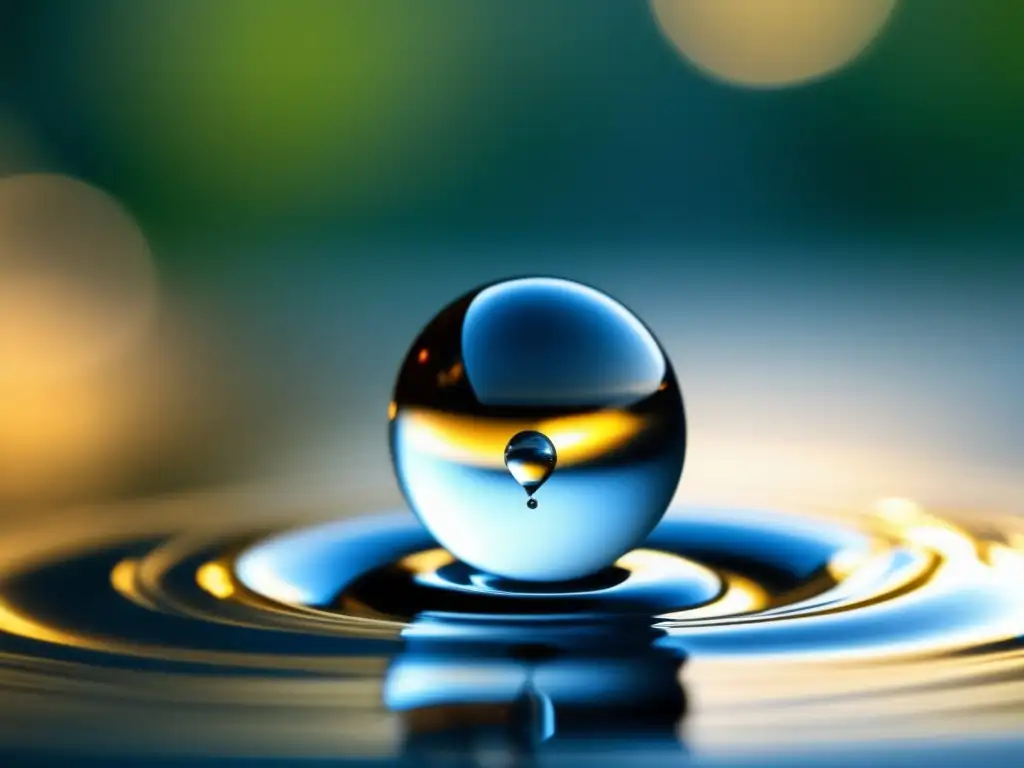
{"points": [[846, 563], [951, 668], [124, 581], [216, 579], [740, 596], [14, 623], [428, 560]]}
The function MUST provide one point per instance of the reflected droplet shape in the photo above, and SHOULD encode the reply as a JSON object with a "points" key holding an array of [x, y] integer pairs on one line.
{"points": [[530, 457], [558, 365]]}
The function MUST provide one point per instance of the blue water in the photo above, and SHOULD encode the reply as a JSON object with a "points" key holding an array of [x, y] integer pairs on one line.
{"points": [[731, 637]]}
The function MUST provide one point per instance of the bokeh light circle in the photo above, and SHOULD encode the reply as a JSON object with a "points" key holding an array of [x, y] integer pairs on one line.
{"points": [[78, 298], [77, 285], [771, 43]]}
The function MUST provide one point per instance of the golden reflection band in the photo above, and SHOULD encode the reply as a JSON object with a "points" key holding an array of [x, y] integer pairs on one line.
{"points": [[476, 442]]}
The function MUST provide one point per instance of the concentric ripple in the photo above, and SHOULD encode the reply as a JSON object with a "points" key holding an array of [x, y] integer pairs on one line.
{"points": [[730, 631]]}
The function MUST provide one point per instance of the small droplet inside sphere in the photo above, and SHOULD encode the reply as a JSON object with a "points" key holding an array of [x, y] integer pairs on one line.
{"points": [[531, 458], [547, 357]]}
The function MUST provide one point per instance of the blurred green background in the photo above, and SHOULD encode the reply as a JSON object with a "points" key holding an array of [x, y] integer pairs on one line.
{"points": [[816, 205]]}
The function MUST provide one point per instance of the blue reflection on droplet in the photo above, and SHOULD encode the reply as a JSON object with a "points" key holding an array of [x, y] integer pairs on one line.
{"points": [[546, 356]]}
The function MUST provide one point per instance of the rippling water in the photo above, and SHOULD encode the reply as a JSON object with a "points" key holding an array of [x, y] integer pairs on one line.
{"points": [[219, 627]]}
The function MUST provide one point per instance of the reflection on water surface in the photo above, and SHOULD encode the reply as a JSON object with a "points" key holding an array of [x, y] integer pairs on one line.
{"points": [[731, 637]]}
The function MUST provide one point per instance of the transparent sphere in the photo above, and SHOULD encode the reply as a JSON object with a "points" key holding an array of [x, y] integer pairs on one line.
{"points": [[500, 383]]}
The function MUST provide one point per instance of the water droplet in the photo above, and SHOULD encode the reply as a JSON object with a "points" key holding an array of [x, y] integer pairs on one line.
{"points": [[547, 356], [530, 457]]}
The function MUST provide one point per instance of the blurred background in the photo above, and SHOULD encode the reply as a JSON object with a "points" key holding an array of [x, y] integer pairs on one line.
{"points": [[223, 223]]}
